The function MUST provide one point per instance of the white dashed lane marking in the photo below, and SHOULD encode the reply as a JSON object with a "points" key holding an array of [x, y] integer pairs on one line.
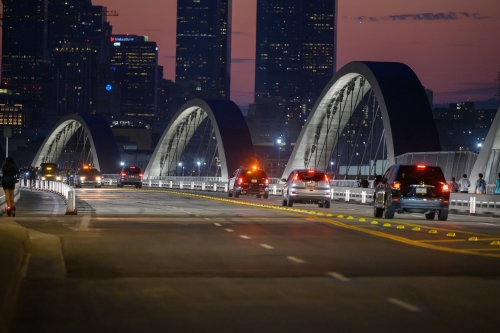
{"points": [[217, 224], [404, 305], [269, 247], [339, 277], [245, 237], [297, 260], [229, 230]]}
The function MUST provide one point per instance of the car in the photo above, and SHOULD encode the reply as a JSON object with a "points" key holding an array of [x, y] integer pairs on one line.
{"points": [[412, 188], [88, 175], [248, 181], [306, 186], [130, 175]]}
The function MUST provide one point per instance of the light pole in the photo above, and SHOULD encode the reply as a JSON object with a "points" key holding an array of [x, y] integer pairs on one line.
{"points": [[199, 170], [180, 168], [331, 166], [279, 156]]}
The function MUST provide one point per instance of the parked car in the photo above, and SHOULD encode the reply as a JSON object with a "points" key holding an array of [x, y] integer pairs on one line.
{"points": [[88, 176], [130, 175], [306, 186], [412, 189], [248, 181]]}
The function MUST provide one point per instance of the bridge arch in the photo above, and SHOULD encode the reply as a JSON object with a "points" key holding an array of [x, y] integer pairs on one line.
{"points": [[402, 105], [95, 138], [227, 127]]}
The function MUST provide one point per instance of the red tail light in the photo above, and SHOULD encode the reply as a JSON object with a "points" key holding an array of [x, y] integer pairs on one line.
{"points": [[140, 175], [240, 180], [420, 166], [266, 181], [123, 174], [446, 188], [326, 179], [395, 185]]}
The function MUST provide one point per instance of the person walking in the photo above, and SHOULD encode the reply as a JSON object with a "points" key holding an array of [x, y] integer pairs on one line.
{"points": [[497, 183], [480, 185], [464, 184], [32, 177], [10, 174], [453, 185]]}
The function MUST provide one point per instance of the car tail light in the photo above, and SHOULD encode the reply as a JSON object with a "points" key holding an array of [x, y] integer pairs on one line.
{"points": [[446, 188], [140, 175], [326, 179], [420, 167], [266, 181], [395, 185], [240, 180], [310, 171], [123, 174]]}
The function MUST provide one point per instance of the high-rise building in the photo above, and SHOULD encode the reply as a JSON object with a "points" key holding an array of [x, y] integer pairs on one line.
{"points": [[25, 56], [295, 49], [80, 50], [134, 68], [203, 52]]}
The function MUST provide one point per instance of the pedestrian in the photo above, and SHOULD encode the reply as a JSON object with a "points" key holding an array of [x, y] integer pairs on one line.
{"points": [[497, 182], [32, 177], [453, 185], [10, 176], [480, 185], [464, 184], [363, 183]]}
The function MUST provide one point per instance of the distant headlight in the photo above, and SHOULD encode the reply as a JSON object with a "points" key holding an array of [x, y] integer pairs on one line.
{"points": [[58, 178], [82, 178], [98, 178], [43, 178]]}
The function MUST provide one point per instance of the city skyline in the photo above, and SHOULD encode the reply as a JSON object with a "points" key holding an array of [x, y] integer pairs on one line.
{"points": [[450, 44]]}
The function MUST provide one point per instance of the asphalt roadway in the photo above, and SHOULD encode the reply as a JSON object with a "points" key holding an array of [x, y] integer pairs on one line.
{"points": [[167, 261]]}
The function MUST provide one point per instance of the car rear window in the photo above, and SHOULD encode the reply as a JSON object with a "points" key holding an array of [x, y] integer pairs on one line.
{"points": [[311, 176], [412, 173], [134, 171], [254, 173]]}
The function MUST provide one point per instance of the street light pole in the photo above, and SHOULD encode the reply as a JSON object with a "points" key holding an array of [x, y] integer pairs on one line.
{"points": [[279, 157]]}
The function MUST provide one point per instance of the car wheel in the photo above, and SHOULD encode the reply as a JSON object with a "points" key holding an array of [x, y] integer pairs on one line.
{"points": [[236, 194], [266, 196], [229, 193], [284, 201], [327, 204], [389, 211], [320, 205], [289, 202], [258, 196], [430, 216], [140, 185], [443, 215], [377, 212]]}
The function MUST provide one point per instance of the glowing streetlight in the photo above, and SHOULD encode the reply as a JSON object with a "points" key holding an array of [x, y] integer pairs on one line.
{"points": [[279, 156]]}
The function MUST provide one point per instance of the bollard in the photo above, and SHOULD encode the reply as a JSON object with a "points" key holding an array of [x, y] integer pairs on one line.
{"points": [[149, 182], [159, 183], [472, 205], [71, 208], [192, 185], [331, 193], [215, 187], [171, 184], [225, 188], [274, 190], [181, 185], [347, 194], [203, 186], [363, 196]]}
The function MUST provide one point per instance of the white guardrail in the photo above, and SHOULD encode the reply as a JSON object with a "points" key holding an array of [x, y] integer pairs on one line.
{"points": [[459, 202]]}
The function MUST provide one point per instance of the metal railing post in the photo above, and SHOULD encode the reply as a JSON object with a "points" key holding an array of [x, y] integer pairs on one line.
{"points": [[71, 208]]}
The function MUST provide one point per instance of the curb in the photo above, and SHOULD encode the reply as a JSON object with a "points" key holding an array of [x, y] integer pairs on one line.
{"points": [[14, 246]]}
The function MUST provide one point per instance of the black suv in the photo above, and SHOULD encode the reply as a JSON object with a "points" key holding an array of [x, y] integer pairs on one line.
{"points": [[88, 176], [130, 175], [248, 181], [412, 189]]}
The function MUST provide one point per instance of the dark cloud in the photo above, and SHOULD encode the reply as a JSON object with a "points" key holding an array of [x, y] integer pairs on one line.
{"points": [[450, 16]]}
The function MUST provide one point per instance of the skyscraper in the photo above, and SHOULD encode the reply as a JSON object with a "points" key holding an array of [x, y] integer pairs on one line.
{"points": [[25, 56], [295, 49], [134, 66], [203, 51]]}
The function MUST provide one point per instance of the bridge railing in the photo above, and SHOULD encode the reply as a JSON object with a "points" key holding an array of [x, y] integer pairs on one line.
{"points": [[60, 188]]}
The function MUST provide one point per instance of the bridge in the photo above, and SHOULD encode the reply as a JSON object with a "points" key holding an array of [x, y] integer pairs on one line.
{"points": [[179, 255]]}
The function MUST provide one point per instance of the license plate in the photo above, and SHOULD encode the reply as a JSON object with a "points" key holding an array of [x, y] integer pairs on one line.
{"points": [[254, 181], [421, 190]]}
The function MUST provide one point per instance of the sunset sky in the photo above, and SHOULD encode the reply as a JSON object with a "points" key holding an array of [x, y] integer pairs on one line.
{"points": [[452, 45]]}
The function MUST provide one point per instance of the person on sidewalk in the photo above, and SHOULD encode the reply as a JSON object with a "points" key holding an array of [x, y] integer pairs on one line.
{"points": [[10, 175], [464, 184], [480, 185], [497, 183], [453, 185]]}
